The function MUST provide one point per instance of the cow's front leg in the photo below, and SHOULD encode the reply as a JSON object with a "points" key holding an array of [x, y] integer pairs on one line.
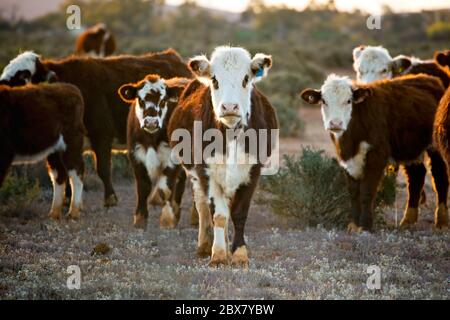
{"points": [[368, 189], [220, 210], [239, 212], [354, 191], [168, 218], [143, 188], [58, 176]]}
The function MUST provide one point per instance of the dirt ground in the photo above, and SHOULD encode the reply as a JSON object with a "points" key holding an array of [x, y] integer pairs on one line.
{"points": [[285, 263]]}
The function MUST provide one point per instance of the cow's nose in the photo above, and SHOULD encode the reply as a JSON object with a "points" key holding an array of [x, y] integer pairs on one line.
{"points": [[150, 122], [230, 107], [335, 124]]}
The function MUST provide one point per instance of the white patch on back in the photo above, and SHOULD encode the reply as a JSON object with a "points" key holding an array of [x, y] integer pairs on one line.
{"points": [[59, 146], [355, 166], [372, 64], [24, 61]]}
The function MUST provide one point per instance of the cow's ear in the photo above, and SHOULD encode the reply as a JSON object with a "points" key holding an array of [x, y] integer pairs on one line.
{"points": [[128, 92], [174, 92], [357, 52], [52, 77], [261, 63], [442, 58], [311, 96], [200, 66], [400, 64], [360, 94]]}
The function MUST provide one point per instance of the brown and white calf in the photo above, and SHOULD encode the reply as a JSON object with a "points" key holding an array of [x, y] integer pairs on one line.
{"points": [[40, 122], [370, 64], [372, 124], [96, 41], [224, 99], [98, 79], [153, 101]]}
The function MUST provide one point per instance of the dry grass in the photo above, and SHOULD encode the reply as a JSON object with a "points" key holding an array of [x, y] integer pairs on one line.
{"points": [[161, 264]]}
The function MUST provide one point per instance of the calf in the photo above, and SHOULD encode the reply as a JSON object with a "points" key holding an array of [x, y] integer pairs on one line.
{"points": [[96, 41], [373, 123], [153, 101], [224, 99], [98, 80], [45, 121], [370, 64]]}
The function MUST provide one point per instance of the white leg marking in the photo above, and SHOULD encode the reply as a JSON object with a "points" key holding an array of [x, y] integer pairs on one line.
{"points": [[58, 195], [76, 185]]}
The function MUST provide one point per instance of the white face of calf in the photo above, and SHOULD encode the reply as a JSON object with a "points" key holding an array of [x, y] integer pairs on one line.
{"points": [[230, 74], [152, 97], [375, 63], [337, 98]]}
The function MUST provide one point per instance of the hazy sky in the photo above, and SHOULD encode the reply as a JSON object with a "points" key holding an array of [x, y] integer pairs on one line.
{"points": [[372, 6]]}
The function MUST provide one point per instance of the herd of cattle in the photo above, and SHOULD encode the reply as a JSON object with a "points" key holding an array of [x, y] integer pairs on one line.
{"points": [[397, 110]]}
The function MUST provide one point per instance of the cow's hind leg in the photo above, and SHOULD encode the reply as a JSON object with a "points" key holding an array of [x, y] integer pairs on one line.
{"points": [[102, 150], [415, 174], [440, 185], [58, 176], [170, 213]]}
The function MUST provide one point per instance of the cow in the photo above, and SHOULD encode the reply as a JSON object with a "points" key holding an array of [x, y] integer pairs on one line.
{"points": [[371, 63], [98, 79], [224, 98], [40, 122], [375, 63], [153, 101], [372, 124], [96, 41]]}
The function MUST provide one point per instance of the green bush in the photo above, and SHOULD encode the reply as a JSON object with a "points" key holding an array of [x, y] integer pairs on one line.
{"points": [[18, 192], [439, 31], [312, 189]]}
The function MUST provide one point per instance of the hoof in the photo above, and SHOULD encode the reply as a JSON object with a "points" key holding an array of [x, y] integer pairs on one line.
{"points": [[74, 214], [55, 213], [219, 257], [353, 228], [111, 201], [240, 257], [167, 219], [194, 216], [140, 222], [204, 250], [441, 217], [155, 198], [409, 218]]}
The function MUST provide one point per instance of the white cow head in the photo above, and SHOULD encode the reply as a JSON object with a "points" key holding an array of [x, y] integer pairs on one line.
{"points": [[230, 74], [375, 63], [26, 68], [337, 98], [154, 99]]}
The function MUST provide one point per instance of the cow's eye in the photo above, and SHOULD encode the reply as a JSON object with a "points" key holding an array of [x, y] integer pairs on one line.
{"points": [[215, 82], [384, 71], [245, 81], [349, 101]]}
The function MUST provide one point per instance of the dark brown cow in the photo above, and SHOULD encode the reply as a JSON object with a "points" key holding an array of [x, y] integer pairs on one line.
{"points": [[96, 41], [98, 80], [45, 121], [370, 124], [221, 101], [153, 101]]}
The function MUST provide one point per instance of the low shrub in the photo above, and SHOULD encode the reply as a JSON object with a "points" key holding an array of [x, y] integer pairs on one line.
{"points": [[312, 188]]}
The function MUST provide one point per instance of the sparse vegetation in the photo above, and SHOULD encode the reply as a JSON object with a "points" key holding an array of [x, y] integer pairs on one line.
{"points": [[312, 188]]}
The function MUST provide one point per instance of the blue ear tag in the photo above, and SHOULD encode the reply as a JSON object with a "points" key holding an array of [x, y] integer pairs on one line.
{"points": [[260, 72]]}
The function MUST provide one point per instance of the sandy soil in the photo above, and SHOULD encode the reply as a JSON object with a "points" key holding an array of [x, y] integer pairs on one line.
{"points": [[161, 264]]}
